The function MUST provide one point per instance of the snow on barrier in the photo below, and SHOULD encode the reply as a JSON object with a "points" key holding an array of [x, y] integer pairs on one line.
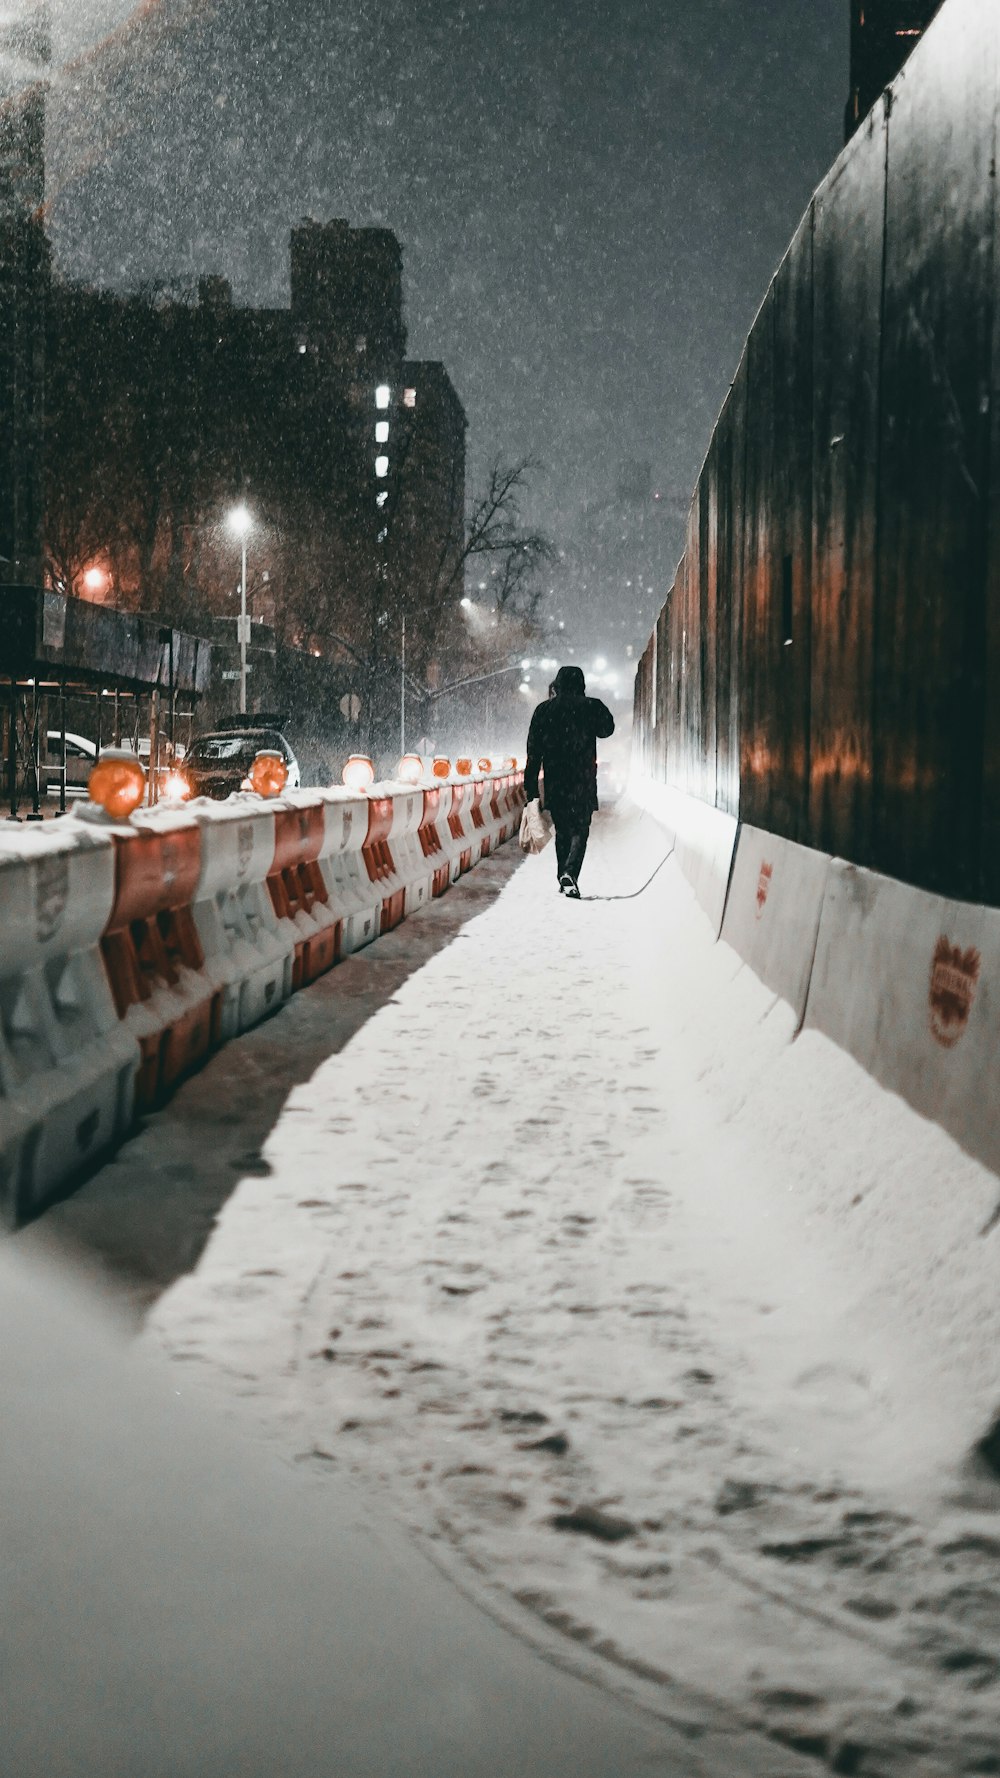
{"points": [[773, 911], [153, 953], [67, 1066], [704, 837], [909, 984]]}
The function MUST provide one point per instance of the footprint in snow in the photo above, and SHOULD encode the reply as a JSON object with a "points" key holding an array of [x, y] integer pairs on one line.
{"points": [[593, 1521]]}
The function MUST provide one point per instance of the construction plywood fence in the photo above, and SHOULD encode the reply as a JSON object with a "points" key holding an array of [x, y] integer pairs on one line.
{"points": [[826, 663]]}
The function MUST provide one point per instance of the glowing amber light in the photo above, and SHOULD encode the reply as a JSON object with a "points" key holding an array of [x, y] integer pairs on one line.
{"points": [[176, 788], [441, 767], [510, 765], [486, 765], [358, 772], [410, 769], [268, 774], [463, 767], [117, 783]]}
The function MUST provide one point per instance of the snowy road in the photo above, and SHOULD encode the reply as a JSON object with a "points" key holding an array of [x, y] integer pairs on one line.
{"points": [[665, 1332]]}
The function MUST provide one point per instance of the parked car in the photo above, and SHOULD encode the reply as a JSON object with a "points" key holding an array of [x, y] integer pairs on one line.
{"points": [[217, 763], [81, 757]]}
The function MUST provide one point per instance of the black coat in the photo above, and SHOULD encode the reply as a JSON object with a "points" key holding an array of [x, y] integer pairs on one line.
{"points": [[562, 743]]}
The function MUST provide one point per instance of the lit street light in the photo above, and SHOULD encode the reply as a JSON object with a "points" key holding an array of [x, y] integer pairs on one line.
{"points": [[240, 522]]}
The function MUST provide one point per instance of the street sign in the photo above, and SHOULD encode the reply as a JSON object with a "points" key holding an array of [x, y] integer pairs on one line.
{"points": [[234, 673], [243, 628]]}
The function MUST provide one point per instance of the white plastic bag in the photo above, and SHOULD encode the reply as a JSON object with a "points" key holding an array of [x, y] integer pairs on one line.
{"points": [[536, 828]]}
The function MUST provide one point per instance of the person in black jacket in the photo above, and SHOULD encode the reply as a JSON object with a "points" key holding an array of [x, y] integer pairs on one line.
{"points": [[562, 745]]}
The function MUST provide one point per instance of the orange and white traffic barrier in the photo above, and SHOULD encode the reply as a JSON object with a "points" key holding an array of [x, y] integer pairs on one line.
{"points": [[501, 816], [67, 1065], [354, 898], [153, 953], [135, 941], [437, 803], [511, 799], [411, 866], [481, 838], [379, 862], [298, 889], [460, 831], [248, 951]]}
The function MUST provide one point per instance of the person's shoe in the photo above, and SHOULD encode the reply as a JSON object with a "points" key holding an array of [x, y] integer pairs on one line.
{"points": [[568, 886]]}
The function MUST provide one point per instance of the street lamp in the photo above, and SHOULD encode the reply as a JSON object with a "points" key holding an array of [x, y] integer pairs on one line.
{"points": [[240, 522]]}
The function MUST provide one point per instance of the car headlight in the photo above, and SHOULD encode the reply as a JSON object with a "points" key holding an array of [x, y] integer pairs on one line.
{"points": [[176, 788]]}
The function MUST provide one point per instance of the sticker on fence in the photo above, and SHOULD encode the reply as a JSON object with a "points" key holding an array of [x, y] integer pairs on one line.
{"points": [[763, 885], [954, 979]]}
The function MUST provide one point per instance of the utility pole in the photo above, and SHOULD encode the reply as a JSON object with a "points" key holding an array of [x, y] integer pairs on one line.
{"points": [[240, 521], [244, 627]]}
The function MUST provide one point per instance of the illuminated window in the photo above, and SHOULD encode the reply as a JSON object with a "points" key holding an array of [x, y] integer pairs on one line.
{"points": [[381, 432], [382, 395], [383, 534], [380, 499], [303, 348], [381, 466], [409, 398]]}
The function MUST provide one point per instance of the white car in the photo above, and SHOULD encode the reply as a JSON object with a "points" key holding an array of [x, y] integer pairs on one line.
{"points": [[81, 757]]}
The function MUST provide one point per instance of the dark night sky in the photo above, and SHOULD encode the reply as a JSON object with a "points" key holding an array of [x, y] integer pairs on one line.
{"points": [[591, 197]]}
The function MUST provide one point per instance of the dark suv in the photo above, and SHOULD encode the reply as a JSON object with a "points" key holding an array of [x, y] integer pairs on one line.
{"points": [[216, 764]]}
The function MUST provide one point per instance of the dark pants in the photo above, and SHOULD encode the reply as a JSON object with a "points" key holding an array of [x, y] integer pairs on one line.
{"points": [[572, 833]]}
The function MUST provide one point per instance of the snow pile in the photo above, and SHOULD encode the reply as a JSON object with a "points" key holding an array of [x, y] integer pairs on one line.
{"points": [[676, 1332]]}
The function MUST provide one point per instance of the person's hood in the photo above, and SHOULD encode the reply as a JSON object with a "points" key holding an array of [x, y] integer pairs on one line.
{"points": [[570, 682]]}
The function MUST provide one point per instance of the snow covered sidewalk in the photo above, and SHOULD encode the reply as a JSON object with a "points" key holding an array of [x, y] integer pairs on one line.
{"points": [[673, 1333]]}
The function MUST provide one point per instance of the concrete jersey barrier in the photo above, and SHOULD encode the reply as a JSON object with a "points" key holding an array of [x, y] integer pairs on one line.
{"points": [[773, 911], [908, 983]]}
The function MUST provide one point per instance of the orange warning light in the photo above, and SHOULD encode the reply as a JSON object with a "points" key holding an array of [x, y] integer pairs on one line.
{"points": [[441, 767], [117, 783], [269, 773], [358, 772]]}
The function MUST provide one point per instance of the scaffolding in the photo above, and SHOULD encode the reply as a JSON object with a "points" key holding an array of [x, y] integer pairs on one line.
{"points": [[133, 678]]}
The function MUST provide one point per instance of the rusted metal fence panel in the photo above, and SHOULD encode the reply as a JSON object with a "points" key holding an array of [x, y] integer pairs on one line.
{"points": [[849, 215], [828, 661]]}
